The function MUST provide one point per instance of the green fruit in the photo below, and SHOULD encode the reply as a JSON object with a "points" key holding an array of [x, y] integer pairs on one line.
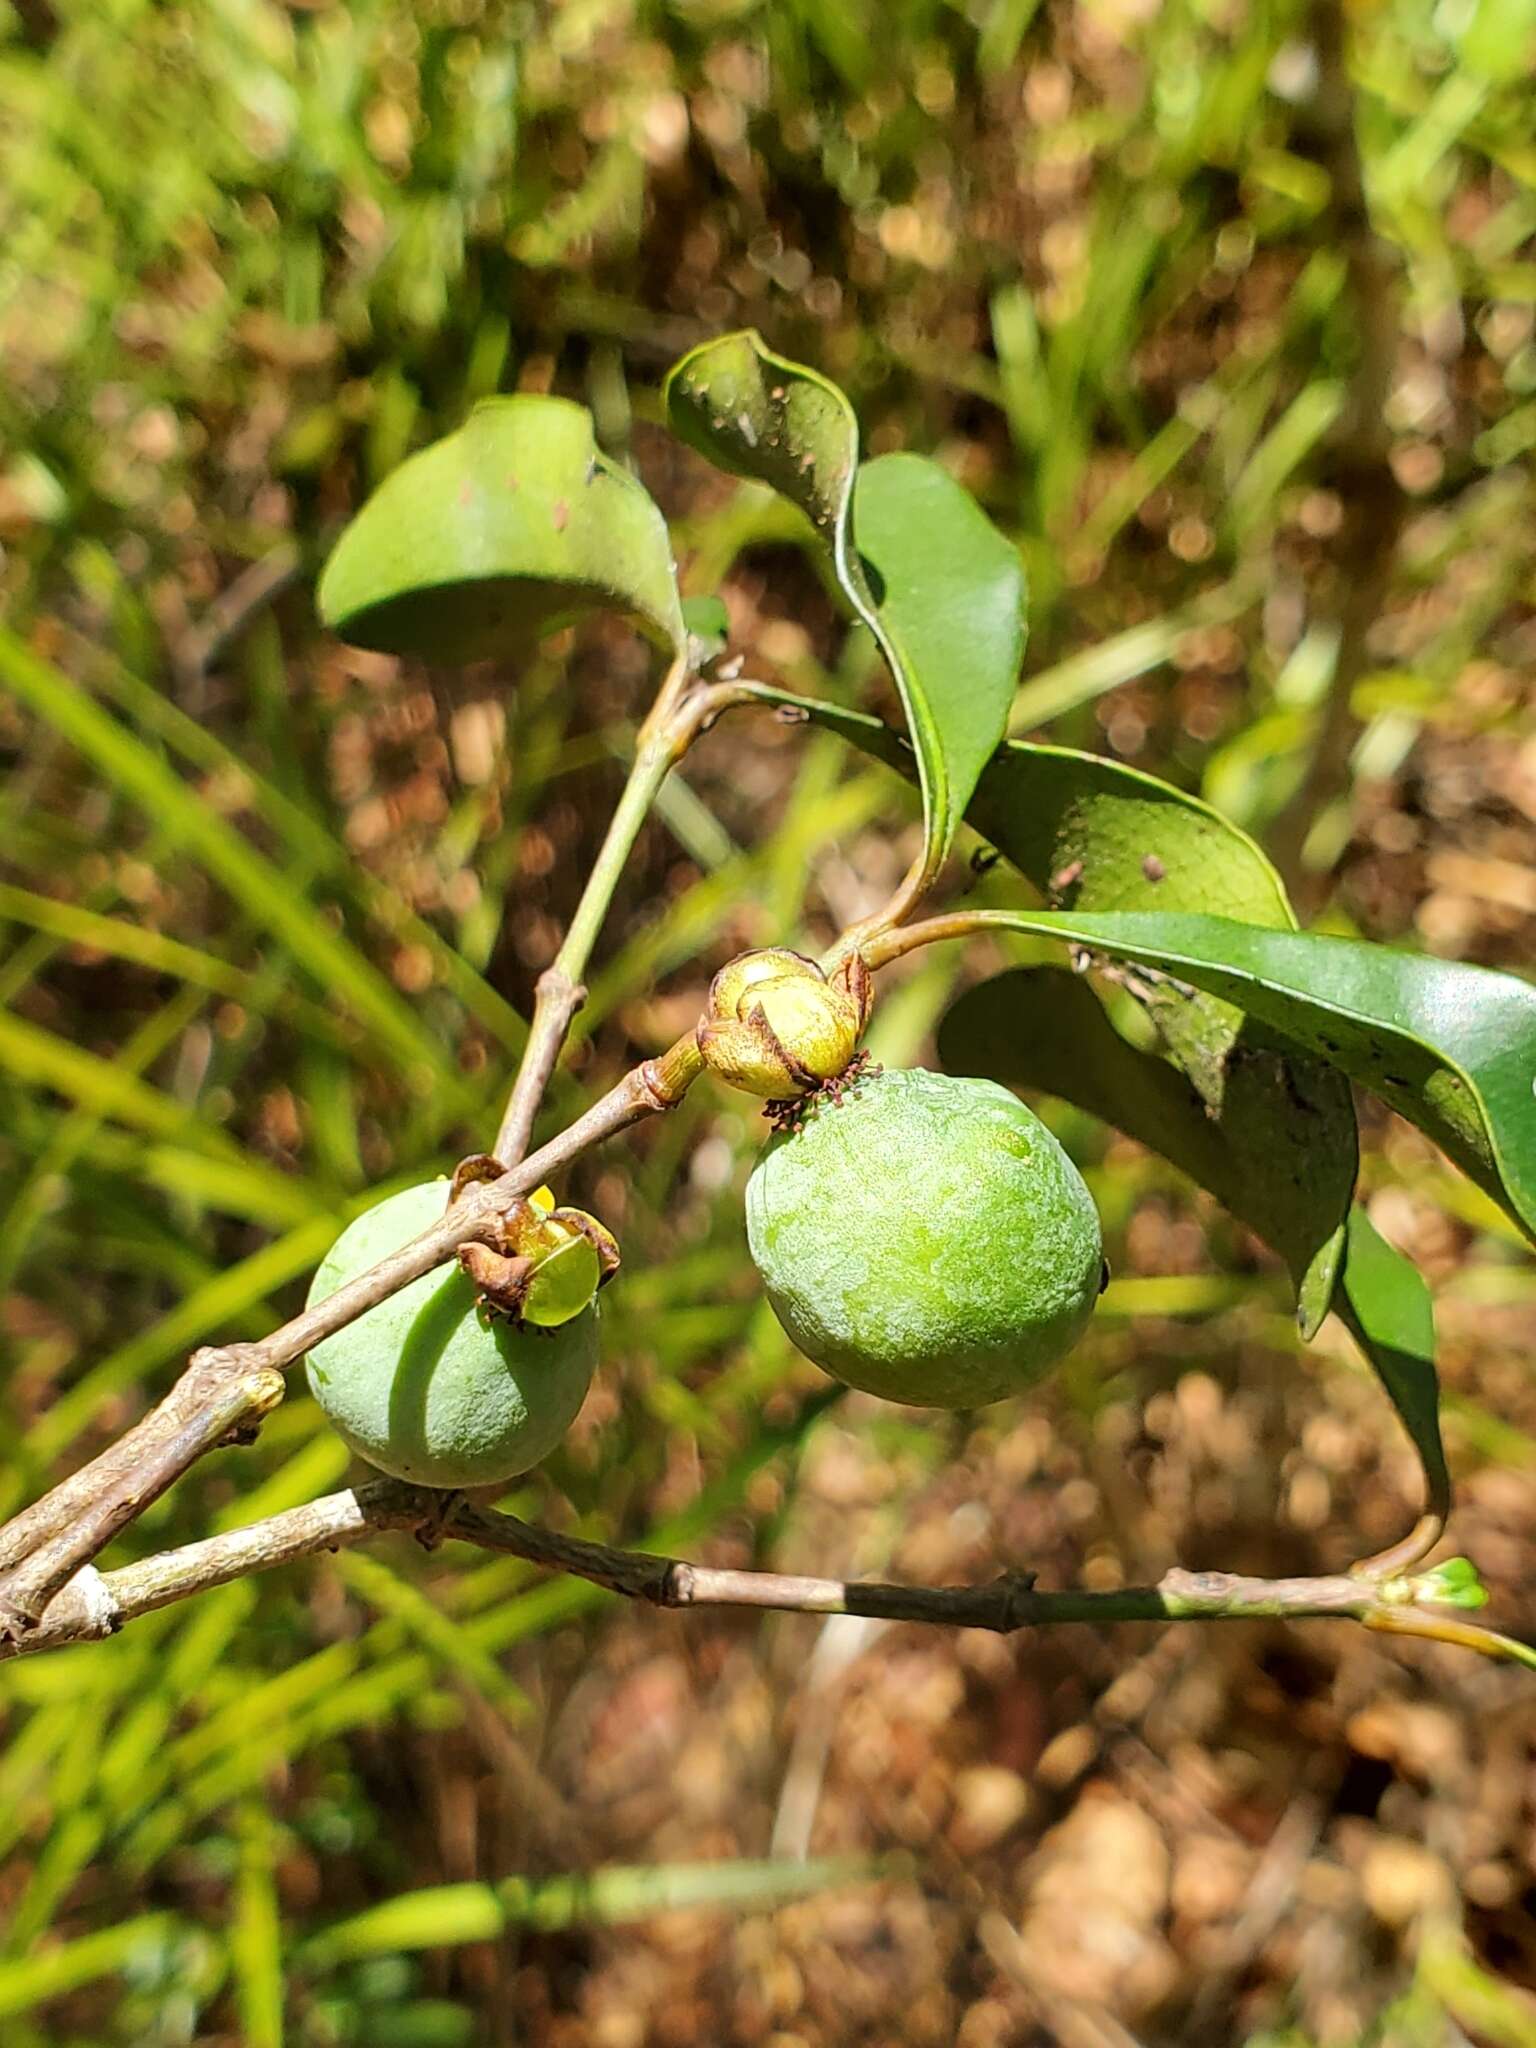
{"points": [[926, 1239], [427, 1387]]}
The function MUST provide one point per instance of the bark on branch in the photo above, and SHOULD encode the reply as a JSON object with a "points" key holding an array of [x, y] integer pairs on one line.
{"points": [[225, 1392], [94, 1604]]}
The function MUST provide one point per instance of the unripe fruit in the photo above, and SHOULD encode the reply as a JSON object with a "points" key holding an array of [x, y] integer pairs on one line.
{"points": [[926, 1239], [427, 1386]]}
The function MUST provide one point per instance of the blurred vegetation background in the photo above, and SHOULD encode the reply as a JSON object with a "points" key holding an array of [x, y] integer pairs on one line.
{"points": [[1226, 310]]}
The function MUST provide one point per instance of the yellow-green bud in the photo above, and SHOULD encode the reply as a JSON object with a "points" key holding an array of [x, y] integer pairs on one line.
{"points": [[776, 1027]]}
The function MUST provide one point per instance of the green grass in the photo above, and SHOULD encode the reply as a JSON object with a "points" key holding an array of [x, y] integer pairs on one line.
{"points": [[268, 932]]}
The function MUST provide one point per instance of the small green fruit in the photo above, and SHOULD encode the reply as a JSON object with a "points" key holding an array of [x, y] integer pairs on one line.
{"points": [[926, 1239], [426, 1386]]}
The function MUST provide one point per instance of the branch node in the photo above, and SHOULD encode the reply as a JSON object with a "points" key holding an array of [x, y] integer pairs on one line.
{"points": [[554, 985], [673, 1587], [1016, 1589], [432, 1527]]}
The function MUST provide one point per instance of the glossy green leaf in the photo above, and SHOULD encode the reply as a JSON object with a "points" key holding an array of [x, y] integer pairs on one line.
{"points": [[936, 583], [1385, 1304], [1451, 1048], [496, 534], [950, 617], [758, 415], [1093, 835]]}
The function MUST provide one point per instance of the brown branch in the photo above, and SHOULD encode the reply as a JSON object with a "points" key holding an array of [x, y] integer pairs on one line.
{"points": [[94, 1605], [210, 1405], [556, 1000]]}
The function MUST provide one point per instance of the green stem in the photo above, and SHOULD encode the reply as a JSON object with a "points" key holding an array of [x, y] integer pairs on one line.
{"points": [[1008, 1603], [881, 948], [669, 729]]}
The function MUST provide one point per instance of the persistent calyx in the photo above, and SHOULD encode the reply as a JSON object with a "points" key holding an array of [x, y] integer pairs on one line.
{"points": [[777, 1027], [545, 1263]]}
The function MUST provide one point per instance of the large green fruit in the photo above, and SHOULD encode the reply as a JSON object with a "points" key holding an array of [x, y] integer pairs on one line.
{"points": [[926, 1239], [426, 1387]]}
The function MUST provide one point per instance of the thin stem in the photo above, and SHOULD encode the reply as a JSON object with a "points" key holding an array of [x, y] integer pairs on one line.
{"points": [[887, 946], [909, 892], [1412, 1549], [665, 736], [556, 999], [95, 1604]]}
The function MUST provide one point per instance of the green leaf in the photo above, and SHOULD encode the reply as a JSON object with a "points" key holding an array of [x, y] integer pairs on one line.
{"points": [[708, 622], [1451, 1048], [936, 583], [1453, 1583], [1097, 836], [756, 414], [950, 618], [1385, 1304], [562, 1285], [496, 534]]}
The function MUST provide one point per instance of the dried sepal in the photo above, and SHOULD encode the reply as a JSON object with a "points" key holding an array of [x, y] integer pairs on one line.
{"points": [[540, 1265]]}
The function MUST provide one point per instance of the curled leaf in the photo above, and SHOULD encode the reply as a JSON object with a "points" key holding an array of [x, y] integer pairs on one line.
{"points": [[936, 583], [498, 533]]}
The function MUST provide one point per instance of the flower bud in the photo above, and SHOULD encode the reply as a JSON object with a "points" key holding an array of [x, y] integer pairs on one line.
{"points": [[776, 1027]]}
